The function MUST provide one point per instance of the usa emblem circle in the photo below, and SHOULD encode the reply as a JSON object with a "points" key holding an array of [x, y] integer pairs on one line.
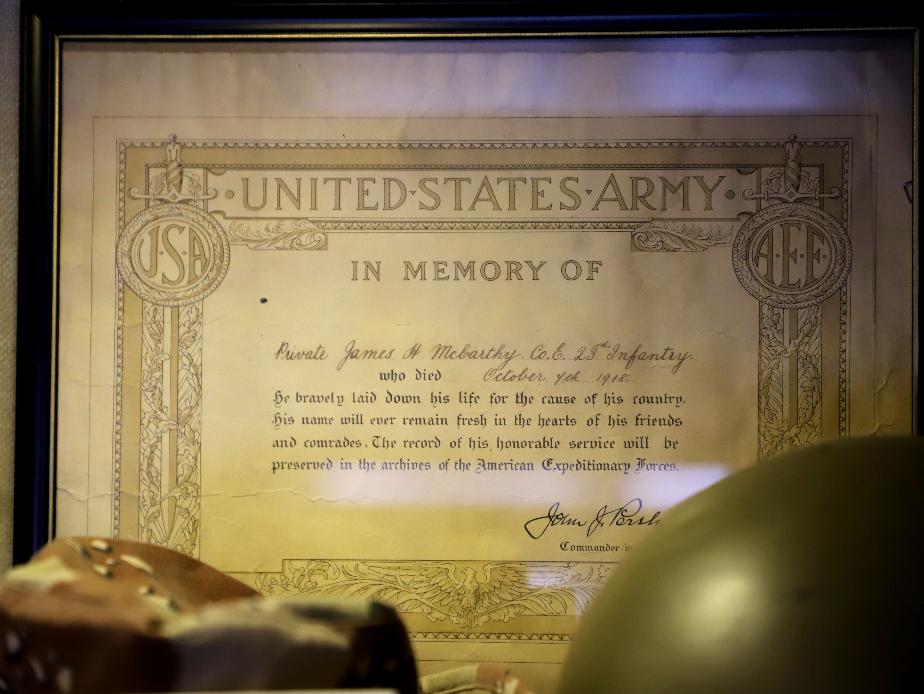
{"points": [[173, 254], [791, 255]]}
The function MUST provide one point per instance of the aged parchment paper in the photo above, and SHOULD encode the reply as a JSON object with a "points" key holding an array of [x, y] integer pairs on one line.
{"points": [[458, 363]]}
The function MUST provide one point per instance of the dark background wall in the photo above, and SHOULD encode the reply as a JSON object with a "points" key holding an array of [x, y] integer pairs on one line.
{"points": [[9, 138]]}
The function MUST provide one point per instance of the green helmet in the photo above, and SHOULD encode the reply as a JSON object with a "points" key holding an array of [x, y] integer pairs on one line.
{"points": [[798, 574]]}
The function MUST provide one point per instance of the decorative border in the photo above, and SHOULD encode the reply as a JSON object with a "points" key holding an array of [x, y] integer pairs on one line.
{"points": [[464, 595], [784, 347], [477, 145], [539, 225], [789, 332], [771, 423], [843, 344], [489, 636], [843, 325]]}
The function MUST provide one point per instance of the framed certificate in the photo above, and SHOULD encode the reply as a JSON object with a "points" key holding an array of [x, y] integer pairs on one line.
{"points": [[448, 312]]}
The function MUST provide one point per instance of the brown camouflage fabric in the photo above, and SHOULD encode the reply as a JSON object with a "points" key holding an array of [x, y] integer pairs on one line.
{"points": [[98, 615]]}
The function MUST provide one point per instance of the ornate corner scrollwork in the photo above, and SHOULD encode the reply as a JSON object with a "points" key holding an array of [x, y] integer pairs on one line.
{"points": [[279, 235], [175, 184], [677, 236], [792, 183]]}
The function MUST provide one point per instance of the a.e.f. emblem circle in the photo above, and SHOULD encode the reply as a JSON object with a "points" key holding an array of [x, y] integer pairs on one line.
{"points": [[791, 255]]}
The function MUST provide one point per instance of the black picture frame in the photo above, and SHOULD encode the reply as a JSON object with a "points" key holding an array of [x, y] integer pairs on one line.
{"points": [[47, 25]]}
